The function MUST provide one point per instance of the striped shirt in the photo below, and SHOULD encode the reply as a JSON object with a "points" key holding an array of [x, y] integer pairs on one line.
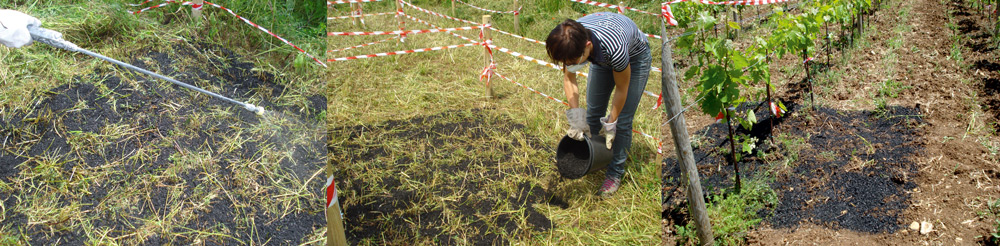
{"points": [[616, 38]]}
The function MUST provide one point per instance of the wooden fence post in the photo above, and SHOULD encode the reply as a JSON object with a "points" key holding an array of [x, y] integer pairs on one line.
{"points": [[354, 17], [399, 18], [487, 20], [356, 10], [682, 143], [335, 235], [517, 18], [196, 12]]}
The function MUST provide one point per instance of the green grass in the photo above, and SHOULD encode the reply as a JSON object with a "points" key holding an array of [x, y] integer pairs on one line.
{"points": [[991, 214], [52, 192], [791, 147], [372, 91], [106, 28], [732, 214]]}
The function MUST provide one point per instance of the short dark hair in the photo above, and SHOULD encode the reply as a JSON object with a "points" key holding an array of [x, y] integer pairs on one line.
{"points": [[566, 41]]}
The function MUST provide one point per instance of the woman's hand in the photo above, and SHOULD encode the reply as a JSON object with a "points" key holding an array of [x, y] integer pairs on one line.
{"points": [[608, 130], [578, 127]]}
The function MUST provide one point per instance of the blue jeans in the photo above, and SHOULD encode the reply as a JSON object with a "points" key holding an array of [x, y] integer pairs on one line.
{"points": [[600, 87]]}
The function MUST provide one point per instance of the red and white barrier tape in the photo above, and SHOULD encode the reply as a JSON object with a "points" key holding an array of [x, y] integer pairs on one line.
{"points": [[403, 52], [718, 118], [659, 101], [437, 14], [547, 64], [331, 192], [540, 62], [807, 60], [669, 15], [168, 2], [363, 45], [659, 147], [490, 45], [505, 50], [263, 29], [399, 12], [488, 70], [532, 90], [612, 6], [515, 12], [364, 15], [656, 69], [518, 36], [469, 22], [357, 13], [401, 32], [777, 111], [436, 27], [195, 6], [328, 3]]}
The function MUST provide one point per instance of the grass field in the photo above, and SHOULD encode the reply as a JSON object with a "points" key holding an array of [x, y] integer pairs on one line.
{"points": [[424, 156], [97, 154]]}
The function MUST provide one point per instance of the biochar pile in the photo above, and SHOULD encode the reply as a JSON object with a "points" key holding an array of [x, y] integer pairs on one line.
{"points": [[572, 167]]}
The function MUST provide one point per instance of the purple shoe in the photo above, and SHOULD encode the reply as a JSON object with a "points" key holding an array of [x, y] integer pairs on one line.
{"points": [[610, 186]]}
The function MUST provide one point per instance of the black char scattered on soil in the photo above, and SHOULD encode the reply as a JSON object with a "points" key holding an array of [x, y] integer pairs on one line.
{"points": [[139, 107], [825, 186], [385, 216]]}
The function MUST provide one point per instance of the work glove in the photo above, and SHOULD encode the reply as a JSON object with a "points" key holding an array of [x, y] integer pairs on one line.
{"points": [[14, 28], [608, 129], [578, 127]]}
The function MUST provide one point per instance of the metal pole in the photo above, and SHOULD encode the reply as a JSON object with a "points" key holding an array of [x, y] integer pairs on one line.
{"points": [[54, 39]]}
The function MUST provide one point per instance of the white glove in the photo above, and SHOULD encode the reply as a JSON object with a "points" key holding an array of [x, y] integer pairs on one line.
{"points": [[577, 124], [608, 130], [14, 28]]}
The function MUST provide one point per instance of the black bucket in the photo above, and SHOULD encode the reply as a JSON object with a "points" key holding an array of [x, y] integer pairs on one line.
{"points": [[574, 159]]}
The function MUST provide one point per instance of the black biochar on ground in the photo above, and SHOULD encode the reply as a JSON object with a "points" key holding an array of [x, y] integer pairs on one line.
{"points": [[448, 133], [854, 173], [141, 108]]}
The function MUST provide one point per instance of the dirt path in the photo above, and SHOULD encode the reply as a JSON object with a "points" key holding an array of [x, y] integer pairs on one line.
{"points": [[912, 46]]}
